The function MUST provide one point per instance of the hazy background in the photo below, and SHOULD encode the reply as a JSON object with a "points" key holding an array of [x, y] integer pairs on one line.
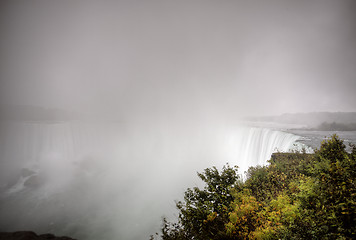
{"points": [[173, 58]]}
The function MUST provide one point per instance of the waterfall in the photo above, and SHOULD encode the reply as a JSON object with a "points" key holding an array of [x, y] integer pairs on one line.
{"points": [[254, 146], [115, 179], [51, 149]]}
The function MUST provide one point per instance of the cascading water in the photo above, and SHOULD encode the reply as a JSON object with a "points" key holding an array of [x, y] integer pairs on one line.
{"points": [[254, 146], [91, 181]]}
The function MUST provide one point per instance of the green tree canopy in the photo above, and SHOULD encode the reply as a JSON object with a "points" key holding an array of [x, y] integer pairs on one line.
{"points": [[297, 196]]}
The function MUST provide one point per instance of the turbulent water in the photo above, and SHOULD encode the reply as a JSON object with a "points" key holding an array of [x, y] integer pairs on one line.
{"points": [[115, 181]]}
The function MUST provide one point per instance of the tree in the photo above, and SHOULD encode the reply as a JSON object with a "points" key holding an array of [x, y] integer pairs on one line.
{"points": [[331, 191], [204, 212]]}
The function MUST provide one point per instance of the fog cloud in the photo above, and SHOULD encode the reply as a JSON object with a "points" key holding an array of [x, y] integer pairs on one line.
{"points": [[174, 57]]}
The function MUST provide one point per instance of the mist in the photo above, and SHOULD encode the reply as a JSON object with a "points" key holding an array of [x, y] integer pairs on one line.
{"points": [[141, 58], [160, 88]]}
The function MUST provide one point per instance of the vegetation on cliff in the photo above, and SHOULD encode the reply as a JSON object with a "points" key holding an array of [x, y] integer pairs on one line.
{"points": [[297, 196]]}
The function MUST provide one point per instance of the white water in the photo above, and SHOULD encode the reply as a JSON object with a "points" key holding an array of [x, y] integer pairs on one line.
{"points": [[108, 181], [254, 146]]}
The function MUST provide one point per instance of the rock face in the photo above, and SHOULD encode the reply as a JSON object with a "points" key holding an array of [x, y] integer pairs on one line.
{"points": [[28, 235]]}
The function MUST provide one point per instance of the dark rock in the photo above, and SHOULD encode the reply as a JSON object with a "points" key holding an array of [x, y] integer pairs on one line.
{"points": [[28, 235], [24, 235], [47, 236]]}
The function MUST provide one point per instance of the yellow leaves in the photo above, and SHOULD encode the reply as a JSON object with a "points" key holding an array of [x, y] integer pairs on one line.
{"points": [[230, 228], [264, 232], [245, 217], [233, 217], [212, 216]]}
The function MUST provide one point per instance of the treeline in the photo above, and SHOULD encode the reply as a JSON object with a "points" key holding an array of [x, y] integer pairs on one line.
{"points": [[297, 196], [334, 126]]}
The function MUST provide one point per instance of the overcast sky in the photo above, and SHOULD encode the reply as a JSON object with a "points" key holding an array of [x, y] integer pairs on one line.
{"points": [[139, 58]]}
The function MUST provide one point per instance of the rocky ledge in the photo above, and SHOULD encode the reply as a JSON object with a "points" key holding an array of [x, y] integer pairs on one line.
{"points": [[28, 235]]}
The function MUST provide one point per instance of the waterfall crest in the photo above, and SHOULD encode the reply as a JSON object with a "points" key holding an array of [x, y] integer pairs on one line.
{"points": [[251, 146]]}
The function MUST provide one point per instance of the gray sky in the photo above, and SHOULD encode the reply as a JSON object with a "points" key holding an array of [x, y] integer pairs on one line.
{"points": [[180, 58]]}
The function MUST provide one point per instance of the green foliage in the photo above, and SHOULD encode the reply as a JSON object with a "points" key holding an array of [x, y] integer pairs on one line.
{"points": [[297, 196], [331, 191], [204, 212]]}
